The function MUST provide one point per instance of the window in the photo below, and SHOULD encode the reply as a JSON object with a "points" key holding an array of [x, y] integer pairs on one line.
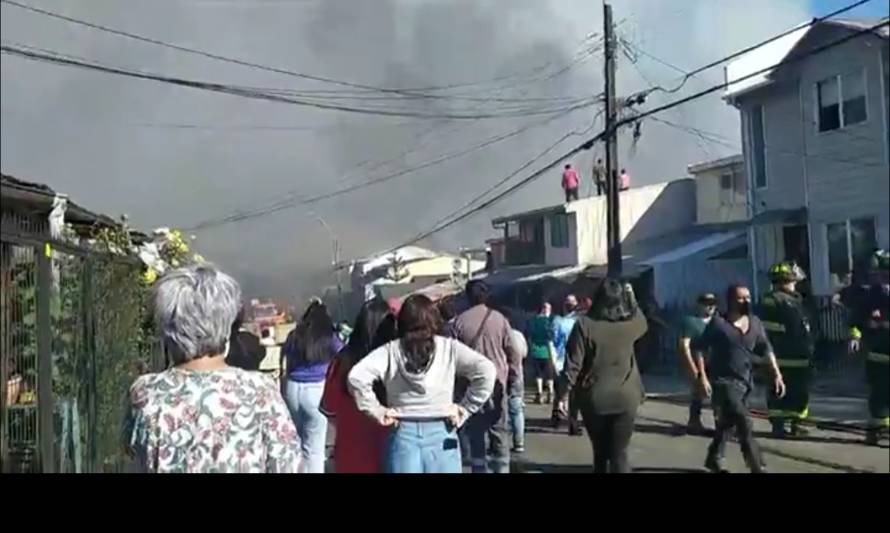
{"points": [[829, 95], [855, 109], [559, 231], [758, 144], [842, 101], [732, 188], [849, 244], [838, 249], [727, 195], [863, 240]]}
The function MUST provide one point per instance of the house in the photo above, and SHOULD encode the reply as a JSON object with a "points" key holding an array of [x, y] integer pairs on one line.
{"points": [[575, 233], [70, 318], [402, 272], [721, 190], [668, 253], [816, 148]]}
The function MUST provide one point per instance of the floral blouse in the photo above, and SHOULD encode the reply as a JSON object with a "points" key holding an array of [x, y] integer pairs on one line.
{"points": [[230, 420]]}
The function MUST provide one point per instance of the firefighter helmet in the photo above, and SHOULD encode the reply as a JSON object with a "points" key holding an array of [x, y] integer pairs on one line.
{"points": [[880, 261], [785, 272]]}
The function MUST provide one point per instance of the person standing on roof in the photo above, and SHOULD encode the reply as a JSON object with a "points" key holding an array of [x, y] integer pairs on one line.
{"points": [[624, 180], [599, 177], [570, 183]]}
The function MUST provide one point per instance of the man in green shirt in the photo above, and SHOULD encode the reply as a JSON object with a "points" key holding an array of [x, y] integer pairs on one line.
{"points": [[541, 352], [692, 328]]}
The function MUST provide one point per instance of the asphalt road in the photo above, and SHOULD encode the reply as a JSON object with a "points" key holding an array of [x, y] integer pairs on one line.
{"points": [[660, 445]]}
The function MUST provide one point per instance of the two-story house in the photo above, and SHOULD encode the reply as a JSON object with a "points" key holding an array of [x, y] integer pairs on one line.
{"points": [[721, 190], [816, 148]]}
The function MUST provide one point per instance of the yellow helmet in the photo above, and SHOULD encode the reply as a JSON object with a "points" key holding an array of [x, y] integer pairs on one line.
{"points": [[785, 272]]}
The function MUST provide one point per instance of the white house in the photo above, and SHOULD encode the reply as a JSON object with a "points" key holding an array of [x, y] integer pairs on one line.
{"points": [[816, 147], [575, 233], [721, 190]]}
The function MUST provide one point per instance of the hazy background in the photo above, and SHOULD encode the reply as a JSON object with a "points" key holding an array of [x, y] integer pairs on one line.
{"points": [[172, 156]]}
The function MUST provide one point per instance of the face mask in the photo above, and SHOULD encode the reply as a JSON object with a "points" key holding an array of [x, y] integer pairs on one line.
{"points": [[744, 308]]}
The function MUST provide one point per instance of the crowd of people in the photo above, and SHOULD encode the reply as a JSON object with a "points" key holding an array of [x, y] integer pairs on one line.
{"points": [[418, 388]]}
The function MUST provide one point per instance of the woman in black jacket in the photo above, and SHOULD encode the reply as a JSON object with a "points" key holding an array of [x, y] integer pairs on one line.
{"points": [[602, 371]]}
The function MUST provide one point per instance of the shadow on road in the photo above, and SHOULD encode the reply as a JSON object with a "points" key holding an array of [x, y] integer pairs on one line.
{"points": [[550, 468]]}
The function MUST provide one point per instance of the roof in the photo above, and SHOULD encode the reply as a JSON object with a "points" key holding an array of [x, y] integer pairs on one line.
{"points": [[704, 166], [777, 51], [692, 248], [537, 273], [38, 198], [580, 204], [406, 254], [552, 210]]}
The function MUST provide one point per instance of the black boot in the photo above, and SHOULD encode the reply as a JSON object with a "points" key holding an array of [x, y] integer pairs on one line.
{"points": [[695, 426], [716, 465], [779, 431], [872, 436], [798, 431]]}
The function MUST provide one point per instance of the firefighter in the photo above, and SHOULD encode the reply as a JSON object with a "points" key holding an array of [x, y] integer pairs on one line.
{"points": [[871, 334], [786, 320]]}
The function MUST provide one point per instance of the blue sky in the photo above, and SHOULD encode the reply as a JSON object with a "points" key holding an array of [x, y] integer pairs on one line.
{"points": [[875, 8]]}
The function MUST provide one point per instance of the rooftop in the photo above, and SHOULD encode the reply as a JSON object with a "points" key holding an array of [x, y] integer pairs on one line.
{"points": [[705, 166], [773, 53], [574, 206]]}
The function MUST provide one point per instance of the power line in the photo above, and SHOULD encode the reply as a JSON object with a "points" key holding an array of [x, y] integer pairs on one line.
{"points": [[259, 95], [587, 145], [420, 93], [537, 174], [718, 139], [792, 60], [288, 204], [688, 75], [513, 174]]}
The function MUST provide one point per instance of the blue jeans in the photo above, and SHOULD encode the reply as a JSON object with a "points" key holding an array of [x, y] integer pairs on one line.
{"points": [[488, 435], [516, 409], [302, 401], [423, 447]]}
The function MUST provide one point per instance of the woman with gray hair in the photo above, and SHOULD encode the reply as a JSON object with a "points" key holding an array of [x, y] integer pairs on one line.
{"points": [[202, 415]]}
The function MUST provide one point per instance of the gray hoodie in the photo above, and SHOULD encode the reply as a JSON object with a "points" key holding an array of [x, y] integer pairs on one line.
{"points": [[427, 395]]}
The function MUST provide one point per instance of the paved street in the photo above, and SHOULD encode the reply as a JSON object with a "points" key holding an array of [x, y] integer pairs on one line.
{"points": [[660, 446]]}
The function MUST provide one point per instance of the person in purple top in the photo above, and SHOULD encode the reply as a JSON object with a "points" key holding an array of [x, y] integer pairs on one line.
{"points": [[308, 351]]}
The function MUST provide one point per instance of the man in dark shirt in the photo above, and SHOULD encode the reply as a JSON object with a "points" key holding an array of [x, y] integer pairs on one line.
{"points": [[488, 332], [734, 343], [599, 177]]}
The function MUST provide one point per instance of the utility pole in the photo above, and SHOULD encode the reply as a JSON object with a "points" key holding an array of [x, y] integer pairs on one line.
{"points": [[613, 220]]}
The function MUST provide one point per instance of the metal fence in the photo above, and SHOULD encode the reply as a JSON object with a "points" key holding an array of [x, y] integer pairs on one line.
{"points": [[73, 339]]}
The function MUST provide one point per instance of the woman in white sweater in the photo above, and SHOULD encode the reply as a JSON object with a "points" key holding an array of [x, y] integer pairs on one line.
{"points": [[418, 371]]}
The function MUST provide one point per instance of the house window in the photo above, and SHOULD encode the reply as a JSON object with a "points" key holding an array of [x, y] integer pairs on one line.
{"points": [[727, 196], [758, 144], [842, 101], [732, 188], [559, 231], [849, 244]]}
